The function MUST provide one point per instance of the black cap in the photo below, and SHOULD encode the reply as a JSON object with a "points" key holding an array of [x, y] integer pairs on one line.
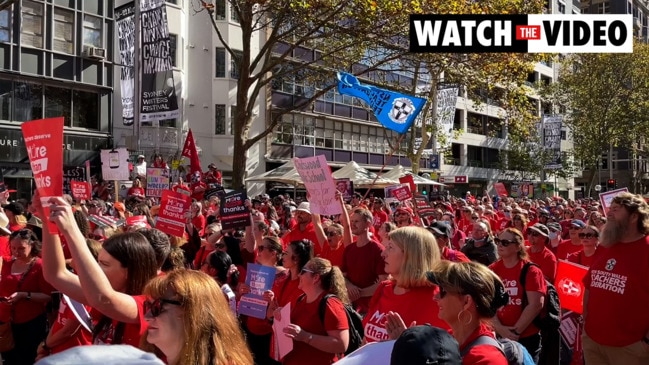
{"points": [[440, 228], [15, 208], [421, 345]]}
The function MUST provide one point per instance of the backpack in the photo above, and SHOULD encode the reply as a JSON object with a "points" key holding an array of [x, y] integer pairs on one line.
{"points": [[550, 317], [513, 351], [354, 320]]}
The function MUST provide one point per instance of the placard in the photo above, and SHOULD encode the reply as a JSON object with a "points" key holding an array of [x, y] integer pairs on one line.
{"points": [[81, 190], [402, 193], [157, 180], [607, 197], [408, 179], [43, 140], [570, 286], [114, 164], [218, 191], [316, 175], [346, 187], [500, 188], [259, 278], [234, 214], [172, 213]]}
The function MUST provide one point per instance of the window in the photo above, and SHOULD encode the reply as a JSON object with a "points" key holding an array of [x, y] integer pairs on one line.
{"points": [[85, 109], [5, 26], [219, 119], [173, 39], [563, 135], [603, 8], [219, 9], [562, 8], [57, 103], [234, 69], [220, 62], [233, 13], [32, 24], [63, 39], [92, 31], [6, 99], [233, 116], [28, 101], [168, 123]]}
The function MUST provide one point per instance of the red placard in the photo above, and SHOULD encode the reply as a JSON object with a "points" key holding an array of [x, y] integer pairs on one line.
{"points": [[139, 221], [408, 179], [80, 190], [570, 286], [501, 190], [43, 140], [172, 214], [402, 193]]}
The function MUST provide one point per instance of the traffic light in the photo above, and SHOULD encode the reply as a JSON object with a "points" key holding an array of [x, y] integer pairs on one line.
{"points": [[611, 184]]}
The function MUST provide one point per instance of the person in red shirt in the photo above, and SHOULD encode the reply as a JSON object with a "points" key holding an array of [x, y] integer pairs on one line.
{"points": [[15, 212], [304, 228], [573, 244], [442, 231], [469, 296], [316, 341], [539, 253], [514, 321], [181, 187], [330, 240], [213, 176], [137, 190], [196, 218], [197, 187], [459, 238], [465, 224], [159, 162], [403, 217], [589, 237], [380, 216], [616, 320], [5, 252], [363, 265], [410, 253]]}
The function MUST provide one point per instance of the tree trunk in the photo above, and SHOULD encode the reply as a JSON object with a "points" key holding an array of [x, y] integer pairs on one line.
{"points": [[239, 164]]}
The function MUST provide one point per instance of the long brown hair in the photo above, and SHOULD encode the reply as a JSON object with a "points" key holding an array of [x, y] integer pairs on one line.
{"points": [[331, 278], [211, 333]]}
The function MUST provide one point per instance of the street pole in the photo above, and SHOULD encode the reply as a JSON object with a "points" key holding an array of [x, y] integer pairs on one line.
{"points": [[610, 160], [136, 77]]}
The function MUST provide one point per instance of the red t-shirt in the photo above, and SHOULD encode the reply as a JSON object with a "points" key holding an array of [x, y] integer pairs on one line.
{"points": [[335, 256], [134, 191], [465, 226], [132, 331], [198, 190], [184, 189], [380, 217], [510, 313], [34, 282], [580, 257], [80, 338], [199, 223], [565, 248], [482, 354], [546, 260], [409, 306], [286, 290], [362, 266], [618, 293], [458, 239], [307, 317], [296, 235], [5, 251], [201, 256], [453, 255]]}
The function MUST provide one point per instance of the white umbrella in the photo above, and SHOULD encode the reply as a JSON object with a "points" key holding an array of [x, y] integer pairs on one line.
{"points": [[362, 177], [287, 174], [400, 171]]}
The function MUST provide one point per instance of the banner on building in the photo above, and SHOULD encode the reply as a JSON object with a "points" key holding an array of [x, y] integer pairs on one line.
{"points": [[158, 95], [124, 21], [551, 125], [446, 101]]}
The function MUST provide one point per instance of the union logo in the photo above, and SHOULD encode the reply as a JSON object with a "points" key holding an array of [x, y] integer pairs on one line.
{"points": [[569, 287]]}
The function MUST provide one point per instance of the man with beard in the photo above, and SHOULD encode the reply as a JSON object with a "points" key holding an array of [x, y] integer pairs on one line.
{"points": [[481, 247], [616, 327], [304, 228], [403, 217], [363, 266]]}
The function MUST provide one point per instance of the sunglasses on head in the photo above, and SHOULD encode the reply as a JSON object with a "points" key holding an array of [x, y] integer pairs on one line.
{"points": [[23, 233], [587, 235], [305, 270], [155, 307], [504, 243]]}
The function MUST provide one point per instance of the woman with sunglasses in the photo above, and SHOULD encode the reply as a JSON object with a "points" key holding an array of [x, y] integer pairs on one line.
{"points": [[113, 287], [520, 223], [24, 294], [317, 341], [398, 301], [589, 237], [219, 266], [384, 232], [330, 240], [469, 297], [513, 321]]}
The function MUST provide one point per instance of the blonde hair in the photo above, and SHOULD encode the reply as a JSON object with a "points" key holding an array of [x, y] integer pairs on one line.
{"points": [[331, 278], [211, 333], [420, 254]]}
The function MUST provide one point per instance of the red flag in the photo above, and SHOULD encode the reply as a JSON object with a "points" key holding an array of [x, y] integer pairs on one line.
{"points": [[570, 285], [189, 151], [408, 179]]}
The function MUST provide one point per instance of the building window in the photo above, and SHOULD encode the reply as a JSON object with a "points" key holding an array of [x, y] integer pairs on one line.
{"points": [[234, 68], [564, 135], [604, 8], [28, 101], [220, 62], [219, 9], [168, 123], [562, 8], [233, 14], [63, 38], [173, 39], [233, 116], [85, 109], [57, 103], [5, 26], [32, 24], [92, 31], [219, 119]]}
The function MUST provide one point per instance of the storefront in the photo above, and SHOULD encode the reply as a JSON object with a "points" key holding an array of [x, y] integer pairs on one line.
{"points": [[14, 163]]}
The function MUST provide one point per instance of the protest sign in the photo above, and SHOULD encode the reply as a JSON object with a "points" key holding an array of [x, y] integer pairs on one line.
{"points": [[570, 330], [375, 353], [500, 188], [282, 344], [570, 286], [157, 180], [402, 193], [218, 191], [81, 190], [43, 140], [408, 179], [139, 221], [259, 278], [114, 164], [316, 175], [172, 213], [607, 197], [346, 188], [72, 173], [234, 214]]}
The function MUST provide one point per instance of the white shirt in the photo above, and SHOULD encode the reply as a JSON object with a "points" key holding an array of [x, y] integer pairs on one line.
{"points": [[139, 169]]}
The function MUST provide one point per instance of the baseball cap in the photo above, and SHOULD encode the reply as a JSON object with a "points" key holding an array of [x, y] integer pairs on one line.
{"points": [[403, 210], [15, 208], [554, 226], [425, 345], [577, 223], [440, 228], [540, 229]]}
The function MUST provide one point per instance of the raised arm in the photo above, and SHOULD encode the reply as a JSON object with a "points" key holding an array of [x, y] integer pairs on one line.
{"points": [[319, 231], [96, 288], [344, 221]]}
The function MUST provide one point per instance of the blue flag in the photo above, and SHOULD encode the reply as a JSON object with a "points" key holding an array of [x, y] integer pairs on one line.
{"points": [[394, 110]]}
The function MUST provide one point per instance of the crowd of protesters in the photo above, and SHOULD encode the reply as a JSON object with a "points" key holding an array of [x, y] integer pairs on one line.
{"points": [[449, 271]]}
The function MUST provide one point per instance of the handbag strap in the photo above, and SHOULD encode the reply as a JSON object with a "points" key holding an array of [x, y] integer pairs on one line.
{"points": [[20, 283]]}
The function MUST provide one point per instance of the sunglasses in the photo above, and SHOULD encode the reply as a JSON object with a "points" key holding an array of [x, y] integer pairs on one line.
{"points": [[475, 218], [505, 243], [443, 292], [305, 270], [331, 234], [587, 235], [155, 307], [96, 237], [261, 248], [91, 205], [466, 211]]}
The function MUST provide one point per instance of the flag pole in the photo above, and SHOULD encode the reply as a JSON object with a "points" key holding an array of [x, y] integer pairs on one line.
{"points": [[136, 75]]}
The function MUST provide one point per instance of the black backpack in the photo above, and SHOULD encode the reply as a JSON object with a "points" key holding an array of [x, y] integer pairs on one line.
{"points": [[354, 320], [550, 317]]}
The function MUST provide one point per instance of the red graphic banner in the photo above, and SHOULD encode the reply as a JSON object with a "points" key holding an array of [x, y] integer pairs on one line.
{"points": [[172, 214], [43, 140], [408, 179], [402, 193], [80, 190], [501, 190], [569, 283]]}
